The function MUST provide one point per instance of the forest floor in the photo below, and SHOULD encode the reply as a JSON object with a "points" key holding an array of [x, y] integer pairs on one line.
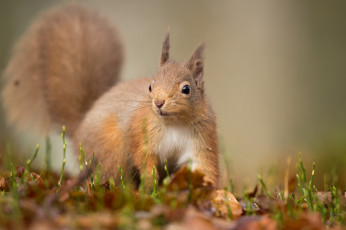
{"points": [[43, 199]]}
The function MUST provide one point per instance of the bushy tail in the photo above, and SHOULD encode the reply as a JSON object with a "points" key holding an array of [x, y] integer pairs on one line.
{"points": [[65, 61]]}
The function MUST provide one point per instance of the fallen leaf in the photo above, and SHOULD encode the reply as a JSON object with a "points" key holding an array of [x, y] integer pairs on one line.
{"points": [[254, 192], [181, 179], [221, 200], [193, 220], [311, 221], [255, 223], [3, 184]]}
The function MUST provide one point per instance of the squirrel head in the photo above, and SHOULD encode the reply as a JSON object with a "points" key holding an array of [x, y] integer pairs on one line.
{"points": [[177, 90]]}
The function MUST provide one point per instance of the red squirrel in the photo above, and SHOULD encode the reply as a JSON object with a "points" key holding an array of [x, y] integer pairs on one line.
{"points": [[65, 71]]}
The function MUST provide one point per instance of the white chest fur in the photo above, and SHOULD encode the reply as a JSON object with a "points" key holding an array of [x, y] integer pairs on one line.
{"points": [[176, 142]]}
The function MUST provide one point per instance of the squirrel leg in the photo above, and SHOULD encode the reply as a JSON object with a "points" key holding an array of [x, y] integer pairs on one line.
{"points": [[141, 147], [207, 162], [146, 163], [108, 145], [148, 167]]}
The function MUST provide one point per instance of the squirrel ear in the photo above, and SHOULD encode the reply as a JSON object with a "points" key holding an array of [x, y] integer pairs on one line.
{"points": [[165, 50], [196, 65]]}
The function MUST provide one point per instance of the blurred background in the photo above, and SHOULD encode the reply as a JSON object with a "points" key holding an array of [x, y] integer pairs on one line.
{"points": [[275, 73]]}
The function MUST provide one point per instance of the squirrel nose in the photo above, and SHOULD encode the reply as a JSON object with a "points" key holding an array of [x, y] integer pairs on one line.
{"points": [[159, 103]]}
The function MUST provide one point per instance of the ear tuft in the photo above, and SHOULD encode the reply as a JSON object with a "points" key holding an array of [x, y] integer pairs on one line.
{"points": [[165, 50], [196, 65], [198, 53]]}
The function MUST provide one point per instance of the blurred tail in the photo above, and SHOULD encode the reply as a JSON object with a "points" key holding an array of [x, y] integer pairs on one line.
{"points": [[67, 59]]}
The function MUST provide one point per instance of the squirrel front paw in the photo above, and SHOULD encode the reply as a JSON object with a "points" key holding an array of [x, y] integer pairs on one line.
{"points": [[150, 178]]}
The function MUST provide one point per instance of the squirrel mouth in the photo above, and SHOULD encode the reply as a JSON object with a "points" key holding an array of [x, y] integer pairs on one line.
{"points": [[163, 114]]}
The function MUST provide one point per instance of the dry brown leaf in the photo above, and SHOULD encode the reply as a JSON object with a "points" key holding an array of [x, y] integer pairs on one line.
{"points": [[292, 184], [311, 221], [43, 225], [144, 224], [254, 192], [265, 204], [221, 200], [38, 180], [326, 197], [222, 223], [255, 223], [187, 187], [3, 184], [63, 197], [193, 220], [180, 179], [20, 171]]}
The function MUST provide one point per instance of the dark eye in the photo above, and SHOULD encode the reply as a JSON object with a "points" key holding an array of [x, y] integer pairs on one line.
{"points": [[186, 89], [149, 88]]}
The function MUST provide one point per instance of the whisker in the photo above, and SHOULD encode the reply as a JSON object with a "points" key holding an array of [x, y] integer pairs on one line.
{"points": [[125, 100], [114, 101], [126, 111], [138, 92]]}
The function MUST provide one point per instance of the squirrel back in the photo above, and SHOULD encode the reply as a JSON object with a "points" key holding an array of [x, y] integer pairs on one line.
{"points": [[68, 58]]}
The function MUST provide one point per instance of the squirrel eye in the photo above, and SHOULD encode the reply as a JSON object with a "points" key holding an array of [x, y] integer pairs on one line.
{"points": [[186, 89], [149, 88]]}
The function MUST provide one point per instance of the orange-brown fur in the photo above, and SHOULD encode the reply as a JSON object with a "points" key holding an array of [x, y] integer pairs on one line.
{"points": [[107, 135], [127, 126], [147, 126], [67, 59], [144, 128]]}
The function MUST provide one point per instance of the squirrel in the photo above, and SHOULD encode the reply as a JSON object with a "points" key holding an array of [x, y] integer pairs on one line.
{"points": [[65, 71]]}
